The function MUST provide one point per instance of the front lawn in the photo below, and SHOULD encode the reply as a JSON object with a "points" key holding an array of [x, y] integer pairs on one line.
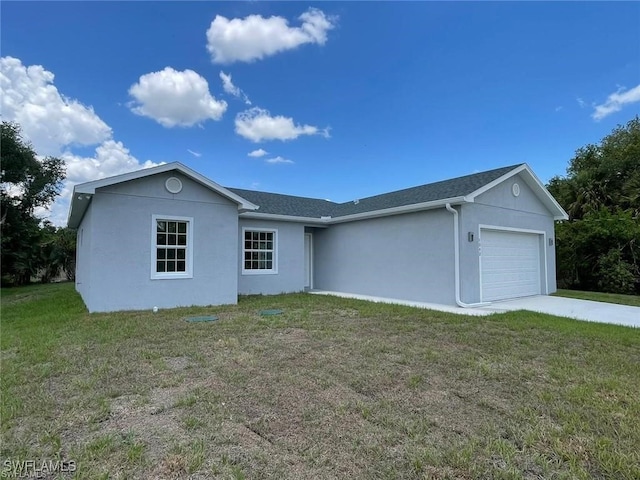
{"points": [[633, 300], [332, 388]]}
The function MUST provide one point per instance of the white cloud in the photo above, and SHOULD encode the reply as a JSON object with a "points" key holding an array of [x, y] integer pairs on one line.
{"points": [[111, 158], [47, 118], [258, 153], [175, 98], [195, 154], [55, 124], [616, 101], [255, 37], [581, 102], [257, 124], [231, 89], [279, 159]]}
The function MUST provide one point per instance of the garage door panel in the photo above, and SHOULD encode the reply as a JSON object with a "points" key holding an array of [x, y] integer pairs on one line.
{"points": [[510, 264]]}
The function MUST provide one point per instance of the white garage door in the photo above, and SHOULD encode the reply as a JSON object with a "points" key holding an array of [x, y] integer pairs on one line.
{"points": [[510, 264]]}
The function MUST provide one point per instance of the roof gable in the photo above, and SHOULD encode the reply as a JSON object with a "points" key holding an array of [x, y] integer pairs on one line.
{"points": [[83, 192], [533, 182]]}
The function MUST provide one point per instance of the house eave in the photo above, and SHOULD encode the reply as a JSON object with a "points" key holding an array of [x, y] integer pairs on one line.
{"points": [[79, 204], [284, 218], [415, 207]]}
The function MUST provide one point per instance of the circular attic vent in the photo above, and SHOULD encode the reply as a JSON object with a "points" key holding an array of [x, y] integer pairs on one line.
{"points": [[515, 189], [173, 185]]}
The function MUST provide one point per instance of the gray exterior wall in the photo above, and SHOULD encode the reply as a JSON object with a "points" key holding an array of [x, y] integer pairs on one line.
{"points": [[289, 256], [117, 241], [500, 208], [84, 257], [407, 256]]}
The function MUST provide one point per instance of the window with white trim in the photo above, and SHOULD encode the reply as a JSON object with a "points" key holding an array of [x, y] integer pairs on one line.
{"points": [[172, 247], [259, 251]]}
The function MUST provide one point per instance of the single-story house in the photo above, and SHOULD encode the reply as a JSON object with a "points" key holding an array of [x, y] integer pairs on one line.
{"points": [[168, 236]]}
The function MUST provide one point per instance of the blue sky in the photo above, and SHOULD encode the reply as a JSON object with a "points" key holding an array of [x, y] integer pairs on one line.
{"points": [[347, 100]]}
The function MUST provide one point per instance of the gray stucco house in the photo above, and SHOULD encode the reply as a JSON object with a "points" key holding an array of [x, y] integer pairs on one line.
{"points": [[168, 236]]}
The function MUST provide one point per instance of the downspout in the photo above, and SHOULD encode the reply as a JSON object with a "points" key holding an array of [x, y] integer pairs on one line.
{"points": [[456, 261]]}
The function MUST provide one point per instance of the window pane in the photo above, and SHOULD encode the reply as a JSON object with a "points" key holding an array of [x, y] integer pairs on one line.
{"points": [[258, 247], [171, 242]]}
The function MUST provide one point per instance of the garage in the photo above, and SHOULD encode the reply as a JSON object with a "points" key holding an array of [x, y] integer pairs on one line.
{"points": [[509, 264]]}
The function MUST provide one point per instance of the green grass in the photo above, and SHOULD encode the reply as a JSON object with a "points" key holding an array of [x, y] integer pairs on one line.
{"points": [[633, 300], [332, 388]]}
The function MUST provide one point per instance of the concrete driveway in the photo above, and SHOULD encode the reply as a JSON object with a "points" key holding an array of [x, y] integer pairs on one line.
{"points": [[572, 308]]}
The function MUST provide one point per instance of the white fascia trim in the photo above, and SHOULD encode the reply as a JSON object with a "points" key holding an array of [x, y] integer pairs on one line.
{"points": [[533, 181], [90, 187], [415, 207], [283, 218]]}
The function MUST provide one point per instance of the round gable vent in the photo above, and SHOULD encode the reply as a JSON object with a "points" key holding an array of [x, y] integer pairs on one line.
{"points": [[515, 189], [173, 185]]}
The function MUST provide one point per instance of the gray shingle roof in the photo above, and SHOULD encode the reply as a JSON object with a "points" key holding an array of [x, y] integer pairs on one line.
{"points": [[290, 205], [279, 204]]}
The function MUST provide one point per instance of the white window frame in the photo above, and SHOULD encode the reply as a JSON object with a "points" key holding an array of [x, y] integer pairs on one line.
{"points": [[271, 271], [189, 247]]}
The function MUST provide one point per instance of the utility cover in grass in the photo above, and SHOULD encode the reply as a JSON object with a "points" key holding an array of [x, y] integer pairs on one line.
{"points": [[273, 311], [205, 318]]}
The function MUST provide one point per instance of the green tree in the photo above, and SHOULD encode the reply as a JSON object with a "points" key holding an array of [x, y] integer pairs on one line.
{"points": [[599, 247], [25, 183]]}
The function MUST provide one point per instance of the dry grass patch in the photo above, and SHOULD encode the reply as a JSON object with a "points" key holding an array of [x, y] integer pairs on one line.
{"points": [[332, 388]]}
